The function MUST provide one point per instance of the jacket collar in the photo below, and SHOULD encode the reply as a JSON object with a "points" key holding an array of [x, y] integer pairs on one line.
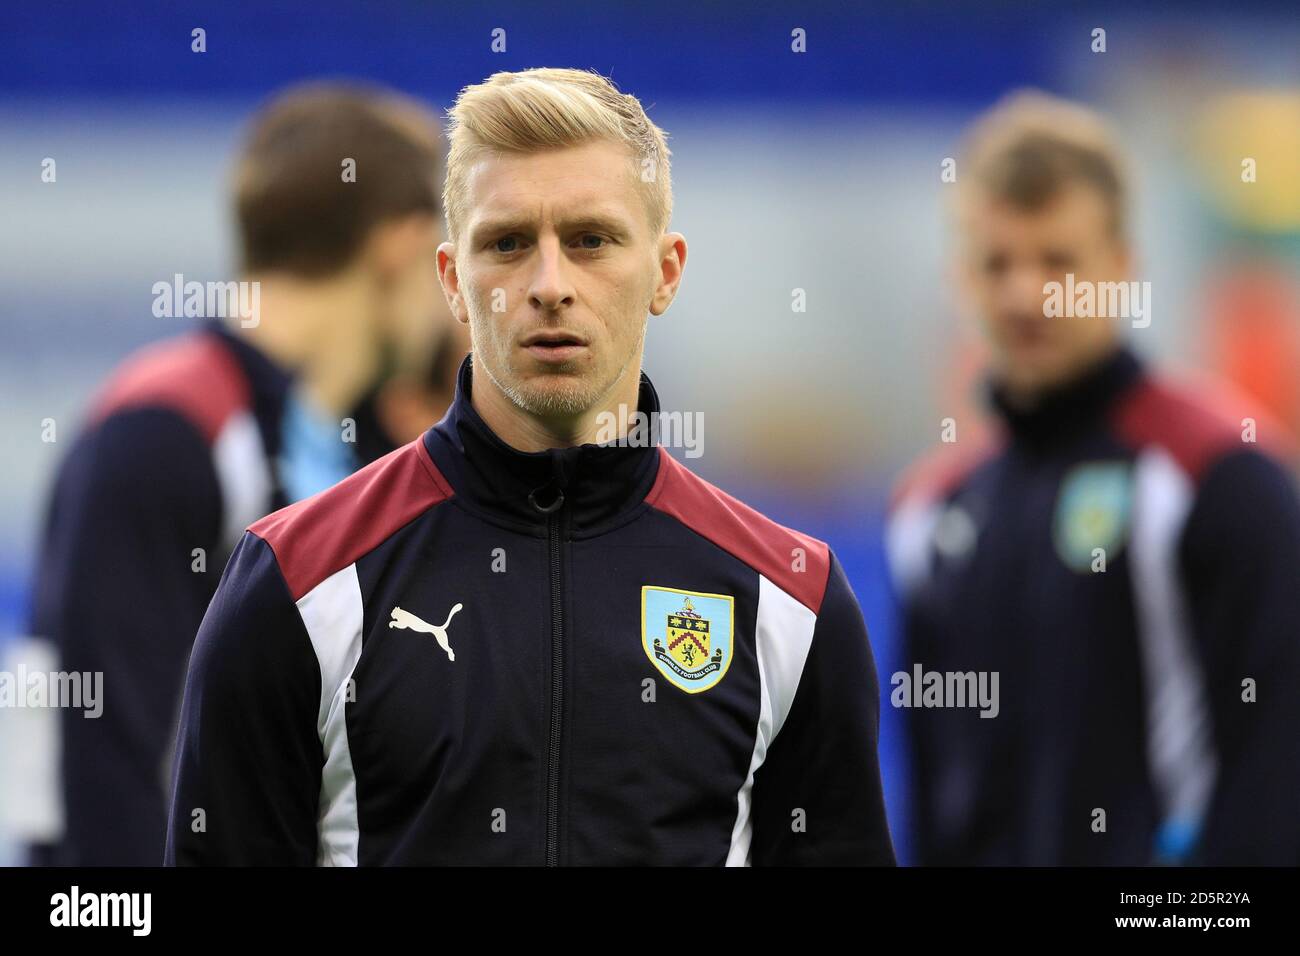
{"points": [[588, 487], [268, 384], [1061, 414]]}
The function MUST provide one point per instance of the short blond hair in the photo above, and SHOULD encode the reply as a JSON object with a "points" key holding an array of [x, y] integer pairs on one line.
{"points": [[544, 108], [1031, 145]]}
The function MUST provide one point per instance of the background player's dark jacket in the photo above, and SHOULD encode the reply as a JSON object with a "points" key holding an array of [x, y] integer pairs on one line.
{"points": [[1120, 690], [326, 722], [177, 455]]}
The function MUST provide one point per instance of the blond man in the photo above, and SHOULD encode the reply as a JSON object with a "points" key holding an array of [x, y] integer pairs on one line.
{"points": [[632, 667]]}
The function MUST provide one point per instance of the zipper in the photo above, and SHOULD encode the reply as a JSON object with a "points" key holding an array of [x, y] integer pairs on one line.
{"points": [[557, 694]]}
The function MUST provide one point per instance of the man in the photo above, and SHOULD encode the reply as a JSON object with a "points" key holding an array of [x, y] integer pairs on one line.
{"points": [[506, 643], [194, 438], [399, 408], [1120, 552]]}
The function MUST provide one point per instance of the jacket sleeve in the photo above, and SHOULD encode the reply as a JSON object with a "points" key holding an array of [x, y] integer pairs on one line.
{"points": [[1241, 565], [248, 758], [817, 797], [118, 592]]}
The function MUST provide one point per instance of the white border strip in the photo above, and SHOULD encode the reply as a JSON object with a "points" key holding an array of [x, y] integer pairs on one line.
{"points": [[783, 637], [332, 613]]}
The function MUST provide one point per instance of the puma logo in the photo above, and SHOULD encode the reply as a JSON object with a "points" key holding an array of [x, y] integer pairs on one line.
{"points": [[408, 621]]}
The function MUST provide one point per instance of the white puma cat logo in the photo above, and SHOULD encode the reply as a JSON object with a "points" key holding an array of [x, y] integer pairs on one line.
{"points": [[407, 620]]}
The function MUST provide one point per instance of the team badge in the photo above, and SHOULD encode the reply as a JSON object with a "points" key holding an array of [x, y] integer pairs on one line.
{"points": [[1092, 511], [687, 635]]}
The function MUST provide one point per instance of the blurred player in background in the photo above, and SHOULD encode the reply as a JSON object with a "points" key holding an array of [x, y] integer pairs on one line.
{"points": [[401, 405], [197, 437], [1124, 554]]}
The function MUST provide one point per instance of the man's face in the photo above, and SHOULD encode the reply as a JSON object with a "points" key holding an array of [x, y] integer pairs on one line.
{"points": [[413, 310], [555, 270], [1010, 254]]}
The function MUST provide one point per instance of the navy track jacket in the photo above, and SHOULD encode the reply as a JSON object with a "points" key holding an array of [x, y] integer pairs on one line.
{"points": [[467, 654], [1131, 569], [176, 458]]}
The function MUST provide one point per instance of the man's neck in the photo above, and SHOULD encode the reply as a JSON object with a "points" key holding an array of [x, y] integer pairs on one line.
{"points": [[1025, 397], [527, 432], [314, 329]]}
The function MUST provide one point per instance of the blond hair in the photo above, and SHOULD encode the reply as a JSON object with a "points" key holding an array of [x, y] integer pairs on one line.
{"points": [[1029, 146], [543, 108]]}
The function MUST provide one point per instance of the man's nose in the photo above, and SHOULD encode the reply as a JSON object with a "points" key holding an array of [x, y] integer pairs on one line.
{"points": [[551, 287], [1022, 290]]}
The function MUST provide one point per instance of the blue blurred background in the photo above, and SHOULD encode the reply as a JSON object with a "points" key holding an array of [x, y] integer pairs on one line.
{"points": [[817, 171]]}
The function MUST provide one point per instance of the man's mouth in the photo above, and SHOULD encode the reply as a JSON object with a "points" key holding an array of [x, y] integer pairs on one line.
{"points": [[554, 346], [1029, 331]]}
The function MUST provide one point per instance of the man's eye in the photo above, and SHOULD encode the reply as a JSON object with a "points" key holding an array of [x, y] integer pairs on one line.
{"points": [[592, 241], [995, 265], [506, 244]]}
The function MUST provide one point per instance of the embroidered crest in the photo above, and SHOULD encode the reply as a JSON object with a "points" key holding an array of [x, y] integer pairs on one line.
{"points": [[688, 635], [1092, 511]]}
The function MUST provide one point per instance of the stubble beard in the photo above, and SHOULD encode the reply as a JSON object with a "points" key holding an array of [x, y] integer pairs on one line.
{"points": [[565, 390]]}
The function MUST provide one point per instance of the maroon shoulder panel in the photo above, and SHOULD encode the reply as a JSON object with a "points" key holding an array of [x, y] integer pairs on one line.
{"points": [[738, 529], [1194, 428], [328, 531], [191, 374], [943, 469]]}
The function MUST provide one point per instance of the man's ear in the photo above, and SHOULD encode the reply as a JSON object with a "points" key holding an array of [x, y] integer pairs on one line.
{"points": [[960, 270], [957, 269], [449, 278], [672, 260], [1125, 258], [393, 244]]}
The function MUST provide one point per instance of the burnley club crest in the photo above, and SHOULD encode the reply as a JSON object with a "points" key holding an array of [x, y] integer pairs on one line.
{"points": [[687, 635]]}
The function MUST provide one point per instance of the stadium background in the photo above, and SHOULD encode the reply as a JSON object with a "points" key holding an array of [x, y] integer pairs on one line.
{"points": [[818, 171]]}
